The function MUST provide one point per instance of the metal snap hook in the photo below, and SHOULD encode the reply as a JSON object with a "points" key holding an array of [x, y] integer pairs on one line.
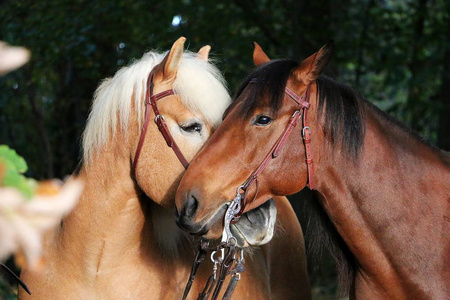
{"points": [[212, 257], [238, 190], [297, 112]]}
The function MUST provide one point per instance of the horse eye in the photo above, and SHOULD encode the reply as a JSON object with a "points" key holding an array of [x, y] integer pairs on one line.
{"points": [[262, 120], [192, 127]]}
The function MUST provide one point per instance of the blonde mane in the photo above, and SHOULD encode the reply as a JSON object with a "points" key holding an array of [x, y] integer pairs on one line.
{"points": [[200, 85]]}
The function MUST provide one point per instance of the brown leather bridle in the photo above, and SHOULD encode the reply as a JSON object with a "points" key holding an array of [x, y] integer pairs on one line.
{"points": [[303, 105], [150, 101]]}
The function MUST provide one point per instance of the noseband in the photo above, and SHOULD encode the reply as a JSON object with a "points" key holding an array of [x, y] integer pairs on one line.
{"points": [[150, 101], [303, 105]]}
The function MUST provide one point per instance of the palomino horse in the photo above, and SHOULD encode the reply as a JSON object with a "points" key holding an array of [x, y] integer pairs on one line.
{"points": [[121, 241], [384, 189]]}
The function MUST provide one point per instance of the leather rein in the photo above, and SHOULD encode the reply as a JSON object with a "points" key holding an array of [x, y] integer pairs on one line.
{"points": [[150, 102], [301, 111]]}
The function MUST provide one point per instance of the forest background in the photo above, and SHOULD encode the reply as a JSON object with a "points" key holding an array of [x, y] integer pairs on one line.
{"points": [[396, 53]]}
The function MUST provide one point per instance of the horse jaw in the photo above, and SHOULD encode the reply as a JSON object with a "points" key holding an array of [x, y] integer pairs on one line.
{"points": [[256, 227]]}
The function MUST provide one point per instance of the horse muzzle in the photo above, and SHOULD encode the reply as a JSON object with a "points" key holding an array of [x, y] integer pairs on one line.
{"points": [[256, 227], [186, 216]]}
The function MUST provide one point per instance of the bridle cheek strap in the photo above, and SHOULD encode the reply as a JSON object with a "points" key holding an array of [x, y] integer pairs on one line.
{"points": [[303, 104], [150, 104], [306, 131], [274, 151]]}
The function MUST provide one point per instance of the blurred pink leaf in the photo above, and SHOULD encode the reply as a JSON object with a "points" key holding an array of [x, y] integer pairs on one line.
{"points": [[12, 57], [23, 222]]}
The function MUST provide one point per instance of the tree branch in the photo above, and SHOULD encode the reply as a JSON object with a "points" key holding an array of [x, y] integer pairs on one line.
{"points": [[249, 7]]}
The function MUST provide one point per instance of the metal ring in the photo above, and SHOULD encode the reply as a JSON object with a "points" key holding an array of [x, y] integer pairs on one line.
{"points": [[212, 257], [159, 116], [241, 187], [232, 238]]}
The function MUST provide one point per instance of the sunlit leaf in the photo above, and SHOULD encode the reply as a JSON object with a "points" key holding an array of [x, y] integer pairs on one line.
{"points": [[13, 167]]}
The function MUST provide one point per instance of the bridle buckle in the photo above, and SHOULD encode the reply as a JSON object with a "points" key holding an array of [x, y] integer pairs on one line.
{"points": [[157, 117], [304, 132]]}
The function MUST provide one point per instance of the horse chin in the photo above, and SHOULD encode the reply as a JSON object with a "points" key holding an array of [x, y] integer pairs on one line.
{"points": [[214, 231], [256, 227]]}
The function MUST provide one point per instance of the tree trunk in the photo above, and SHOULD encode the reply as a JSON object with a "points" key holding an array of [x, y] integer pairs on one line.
{"points": [[42, 131], [262, 21], [361, 43], [443, 139], [414, 66]]}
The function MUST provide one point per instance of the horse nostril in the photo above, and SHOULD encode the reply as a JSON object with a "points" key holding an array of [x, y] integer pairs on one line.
{"points": [[191, 206], [185, 216]]}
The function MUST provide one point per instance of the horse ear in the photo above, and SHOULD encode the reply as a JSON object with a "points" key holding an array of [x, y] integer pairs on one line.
{"points": [[203, 53], [172, 60], [259, 57], [310, 68]]}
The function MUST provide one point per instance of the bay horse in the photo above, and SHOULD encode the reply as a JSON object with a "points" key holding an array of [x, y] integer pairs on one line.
{"points": [[121, 241], [385, 190]]}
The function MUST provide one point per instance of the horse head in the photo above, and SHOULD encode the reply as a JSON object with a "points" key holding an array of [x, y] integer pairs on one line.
{"points": [[251, 153], [158, 170]]}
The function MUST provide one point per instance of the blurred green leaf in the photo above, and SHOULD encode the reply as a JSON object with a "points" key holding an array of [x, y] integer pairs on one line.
{"points": [[14, 166], [12, 160]]}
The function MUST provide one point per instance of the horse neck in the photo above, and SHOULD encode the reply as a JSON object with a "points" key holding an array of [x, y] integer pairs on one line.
{"points": [[108, 220], [392, 159], [114, 217], [395, 192]]}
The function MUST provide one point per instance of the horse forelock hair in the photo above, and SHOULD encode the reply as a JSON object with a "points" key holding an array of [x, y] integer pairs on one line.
{"points": [[200, 85], [202, 88], [267, 80]]}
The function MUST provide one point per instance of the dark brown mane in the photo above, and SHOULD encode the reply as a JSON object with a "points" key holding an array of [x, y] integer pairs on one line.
{"points": [[321, 235], [342, 109]]}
